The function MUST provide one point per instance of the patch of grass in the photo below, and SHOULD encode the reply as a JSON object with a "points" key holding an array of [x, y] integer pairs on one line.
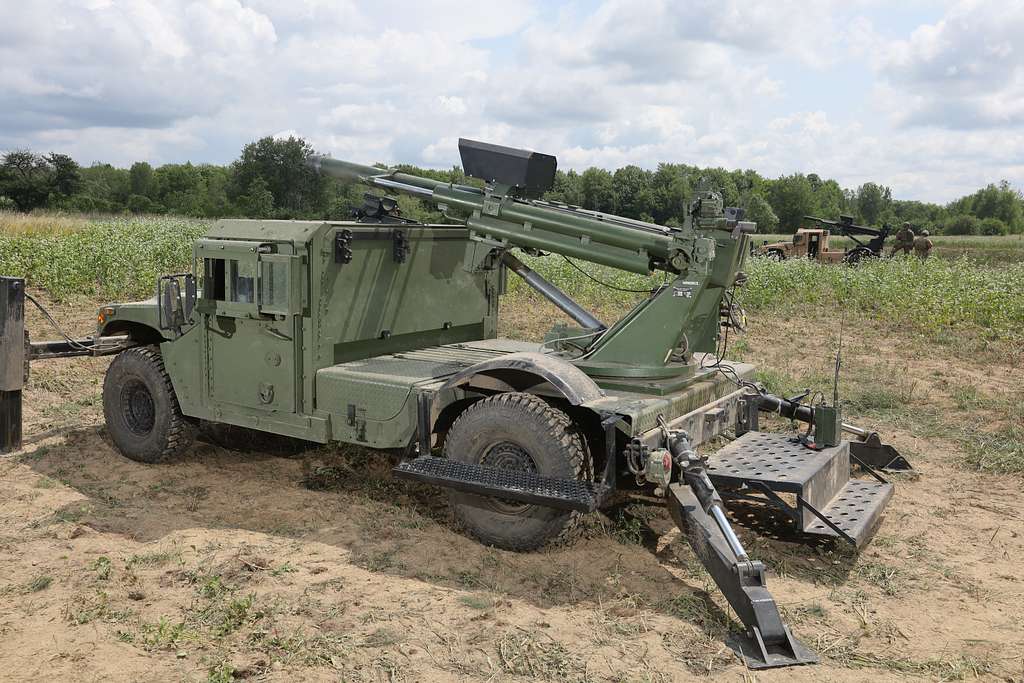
{"points": [[382, 637], [231, 615], [223, 672], [1000, 452], [890, 579], [480, 602], [698, 610], [193, 496], [157, 558], [284, 568], [102, 566], [39, 583], [323, 649], [952, 667], [377, 561], [965, 396], [84, 608], [935, 297], [526, 653], [160, 635]]}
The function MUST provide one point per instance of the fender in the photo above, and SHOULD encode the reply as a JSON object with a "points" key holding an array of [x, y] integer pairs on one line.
{"points": [[575, 385], [139, 319]]}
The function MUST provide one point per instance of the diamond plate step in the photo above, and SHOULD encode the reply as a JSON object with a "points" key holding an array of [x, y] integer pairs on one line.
{"points": [[856, 509], [523, 487]]}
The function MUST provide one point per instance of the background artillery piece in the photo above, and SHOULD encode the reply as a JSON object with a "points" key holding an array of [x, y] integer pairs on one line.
{"points": [[813, 243]]}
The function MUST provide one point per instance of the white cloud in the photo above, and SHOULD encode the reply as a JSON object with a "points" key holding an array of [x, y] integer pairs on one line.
{"points": [[965, 70], [941, 103]]}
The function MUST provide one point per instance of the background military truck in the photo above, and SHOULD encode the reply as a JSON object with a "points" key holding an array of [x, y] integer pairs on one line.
{"points": [[813, 243], [382, 333]]}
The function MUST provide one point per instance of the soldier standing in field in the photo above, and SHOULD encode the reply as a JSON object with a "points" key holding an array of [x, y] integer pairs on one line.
{"points": [[923, 246], [904, 240]]}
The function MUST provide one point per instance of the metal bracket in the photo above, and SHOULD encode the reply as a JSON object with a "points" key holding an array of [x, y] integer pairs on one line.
{"points": [[343, 247], [748, 410], [400, 245]]}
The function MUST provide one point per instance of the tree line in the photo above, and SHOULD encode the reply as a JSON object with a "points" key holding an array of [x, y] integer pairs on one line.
{"points": [[271, 180]]}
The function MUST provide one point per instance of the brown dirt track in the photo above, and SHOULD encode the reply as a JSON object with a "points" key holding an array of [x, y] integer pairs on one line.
{"points": [[319, 567]]}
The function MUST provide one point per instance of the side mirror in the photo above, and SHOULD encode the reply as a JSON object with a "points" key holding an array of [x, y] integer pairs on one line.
{"points": [[175, 310], [172, 317]]}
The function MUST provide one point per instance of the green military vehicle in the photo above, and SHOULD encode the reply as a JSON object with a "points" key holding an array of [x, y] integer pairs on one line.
{"points": [[382, 332]]}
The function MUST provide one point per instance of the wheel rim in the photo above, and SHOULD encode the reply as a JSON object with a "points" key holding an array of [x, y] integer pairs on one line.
{"points": [[137, 407], [507, 455]]}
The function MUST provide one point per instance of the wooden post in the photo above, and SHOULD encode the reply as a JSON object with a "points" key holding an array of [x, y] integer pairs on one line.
{"points": [[12, 361]]}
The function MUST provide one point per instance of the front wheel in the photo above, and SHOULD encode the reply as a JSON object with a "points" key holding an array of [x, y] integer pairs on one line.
{"points": [[521, 432], [141, 410]]}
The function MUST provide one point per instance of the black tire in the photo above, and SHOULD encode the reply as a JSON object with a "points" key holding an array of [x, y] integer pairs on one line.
{"points": [[857, 255], [142, 413], [775, 255], [517, 431]]}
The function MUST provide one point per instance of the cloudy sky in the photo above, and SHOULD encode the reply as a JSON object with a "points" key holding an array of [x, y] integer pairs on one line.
{"points": [[927, 97]]}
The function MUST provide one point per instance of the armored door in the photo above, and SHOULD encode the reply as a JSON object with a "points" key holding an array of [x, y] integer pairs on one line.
{"points": [[250, 311]]}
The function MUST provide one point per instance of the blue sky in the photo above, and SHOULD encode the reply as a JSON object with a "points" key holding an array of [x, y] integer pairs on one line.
{"points": [[927, 97]]}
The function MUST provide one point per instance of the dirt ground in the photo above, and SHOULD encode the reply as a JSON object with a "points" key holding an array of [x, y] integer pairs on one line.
{"points": [[233, 564]]}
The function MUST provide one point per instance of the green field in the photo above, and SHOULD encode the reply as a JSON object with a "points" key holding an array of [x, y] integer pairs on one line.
{"points": [[1001, 249], [115, 258]]}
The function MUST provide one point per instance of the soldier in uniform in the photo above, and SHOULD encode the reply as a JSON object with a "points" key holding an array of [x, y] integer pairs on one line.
{"points": [[923, 246], [904, 240]]}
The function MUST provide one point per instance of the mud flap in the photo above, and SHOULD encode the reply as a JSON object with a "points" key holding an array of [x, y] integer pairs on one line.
{"points": [[767, 642]]}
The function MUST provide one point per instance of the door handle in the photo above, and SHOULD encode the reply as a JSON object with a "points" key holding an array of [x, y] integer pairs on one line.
{"points": [[276, 334]]}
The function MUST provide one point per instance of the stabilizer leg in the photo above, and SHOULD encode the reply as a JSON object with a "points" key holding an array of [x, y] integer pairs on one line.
{"points": [[768, 642]]}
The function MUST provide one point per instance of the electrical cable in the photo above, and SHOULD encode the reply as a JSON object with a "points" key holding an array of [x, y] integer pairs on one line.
{"points": [[605, 284], [579, 336], [721, 349], [74, 343]]}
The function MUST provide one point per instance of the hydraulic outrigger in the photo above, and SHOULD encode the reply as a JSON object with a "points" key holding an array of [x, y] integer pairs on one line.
{"points": [[382, 332]]}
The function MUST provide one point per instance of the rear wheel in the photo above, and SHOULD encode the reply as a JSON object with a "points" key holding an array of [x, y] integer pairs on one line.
{"points": [[857, 255], [516, 431], [141, 410], [775, 255]]}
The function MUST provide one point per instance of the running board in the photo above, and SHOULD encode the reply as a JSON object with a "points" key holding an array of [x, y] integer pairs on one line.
{"points": [[522, 487], [767, 642]]}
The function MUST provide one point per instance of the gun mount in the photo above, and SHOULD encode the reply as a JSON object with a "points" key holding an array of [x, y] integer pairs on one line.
{"points": [[382, 332], [658, 338]]}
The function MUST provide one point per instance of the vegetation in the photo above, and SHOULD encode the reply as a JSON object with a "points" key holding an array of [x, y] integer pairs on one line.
{"points": [[116, 258], [271, 180], [937, 297], [109, 258]]}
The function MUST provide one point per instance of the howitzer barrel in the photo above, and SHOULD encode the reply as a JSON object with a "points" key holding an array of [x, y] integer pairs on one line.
{"points": [[609, 240]]}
